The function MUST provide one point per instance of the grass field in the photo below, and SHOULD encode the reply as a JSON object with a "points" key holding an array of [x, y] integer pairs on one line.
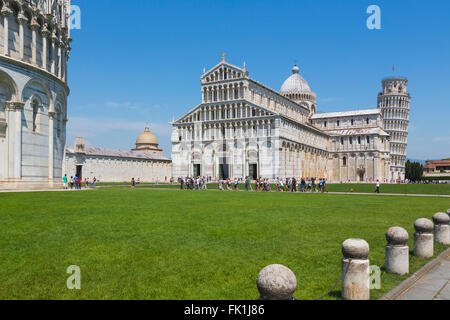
{"points": [[151, 244], [437, 189]]}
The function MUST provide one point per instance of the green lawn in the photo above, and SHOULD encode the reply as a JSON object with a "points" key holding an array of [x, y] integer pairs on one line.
{"points": [[437, 189], [150, 244]]}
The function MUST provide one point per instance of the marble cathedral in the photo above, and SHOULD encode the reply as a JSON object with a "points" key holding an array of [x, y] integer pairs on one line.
{"points": [[244, 128]]}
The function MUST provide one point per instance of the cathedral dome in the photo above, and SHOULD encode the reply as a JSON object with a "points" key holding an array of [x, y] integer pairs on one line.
{"points": [[146, 138], [295, 83]]}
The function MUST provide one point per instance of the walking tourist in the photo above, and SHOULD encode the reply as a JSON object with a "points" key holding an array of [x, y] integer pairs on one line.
{"points": [[65, 181]]}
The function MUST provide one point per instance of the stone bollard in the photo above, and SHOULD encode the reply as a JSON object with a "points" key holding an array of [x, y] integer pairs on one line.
{"points": [[441, 228], [423, 238], [355, 270], [397, 252], [276, 282]]}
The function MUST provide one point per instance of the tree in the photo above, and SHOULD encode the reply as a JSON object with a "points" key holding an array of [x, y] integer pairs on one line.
{"points": [[414, 171]]}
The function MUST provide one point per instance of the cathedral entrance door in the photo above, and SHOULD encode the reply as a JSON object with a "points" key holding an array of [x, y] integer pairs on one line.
{"points": [[223, 171], [253, 171], [80, 172], [361, 177], [197, 171]]}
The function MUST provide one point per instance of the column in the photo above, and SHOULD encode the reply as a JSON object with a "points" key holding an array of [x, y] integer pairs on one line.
{"points": [[51, 118], [53, 58], [34, 27], [14, 110], [375, 167], [59, 44], [21, 19], [44, 33], [5, 13]]}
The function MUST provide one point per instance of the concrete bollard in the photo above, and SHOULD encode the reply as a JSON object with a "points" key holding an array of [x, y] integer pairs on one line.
{"points": [[355, 270], [423, 238], [397, 252], [441, 228], [276, 282]]}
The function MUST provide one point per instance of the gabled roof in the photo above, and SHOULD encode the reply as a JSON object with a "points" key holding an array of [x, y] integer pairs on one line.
{"points": [[357, 132], [220, 64], [120, 154], [346, 114], [187, 114]]}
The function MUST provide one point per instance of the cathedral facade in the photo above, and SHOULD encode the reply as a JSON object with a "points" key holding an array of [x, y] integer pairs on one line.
{"points": [[34, 50], [243, 128]]}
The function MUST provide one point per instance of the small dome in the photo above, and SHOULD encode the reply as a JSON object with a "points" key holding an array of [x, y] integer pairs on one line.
{"points": [[146, 137], [295, 83]]}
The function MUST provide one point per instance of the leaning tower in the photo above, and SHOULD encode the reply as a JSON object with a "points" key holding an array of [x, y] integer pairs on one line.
{"points": [[34, 50], [394, 103]]}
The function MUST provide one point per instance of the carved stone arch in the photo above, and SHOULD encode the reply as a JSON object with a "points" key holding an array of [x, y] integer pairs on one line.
{"points": [[44, 89], [9, 86]]}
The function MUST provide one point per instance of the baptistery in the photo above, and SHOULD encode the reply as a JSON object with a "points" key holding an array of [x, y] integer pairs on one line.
{"points": [[34, 51]]}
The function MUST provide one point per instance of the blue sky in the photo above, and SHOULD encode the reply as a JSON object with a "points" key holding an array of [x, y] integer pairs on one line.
{"points": [[140, 61]]}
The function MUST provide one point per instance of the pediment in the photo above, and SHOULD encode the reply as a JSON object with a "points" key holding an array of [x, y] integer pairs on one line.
{"points": [[195, 109], [213, 72]]}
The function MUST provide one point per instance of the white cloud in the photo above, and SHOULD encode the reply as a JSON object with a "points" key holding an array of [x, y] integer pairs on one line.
{"points": [[441, 139]]}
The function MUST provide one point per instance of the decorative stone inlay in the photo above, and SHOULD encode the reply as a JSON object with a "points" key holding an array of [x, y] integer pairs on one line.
{"points": [[397, 236], [423, 225], [355, 249], [14, 105], [276, 282], [441, 218]]}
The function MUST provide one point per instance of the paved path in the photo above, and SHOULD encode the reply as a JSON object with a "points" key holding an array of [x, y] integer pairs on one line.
{"points": [[433, 286], [432, 282], [177, 189]]}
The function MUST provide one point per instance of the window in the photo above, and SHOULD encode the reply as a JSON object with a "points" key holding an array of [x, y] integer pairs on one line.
{"points": [[359, 140], [368, 139], [344, 161], [338, 123], [353, 122], [35, 116], [351, 140], [342, 141], [325, 124], [367, 121]]}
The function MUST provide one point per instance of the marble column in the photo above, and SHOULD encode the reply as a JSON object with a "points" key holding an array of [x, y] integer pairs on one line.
{"points": [[51, 128], [44, 33], [34, 27], [21, 19], [5, 13], [14, 116]]}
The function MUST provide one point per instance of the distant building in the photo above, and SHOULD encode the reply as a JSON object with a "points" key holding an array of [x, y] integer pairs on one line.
{"points": [[145, 162], [243, 128], [435, 167]]}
